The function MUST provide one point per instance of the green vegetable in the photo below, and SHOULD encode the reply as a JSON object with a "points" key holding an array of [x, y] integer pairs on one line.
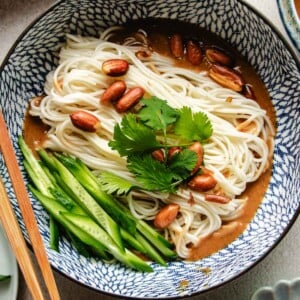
{"points": [[152, 128], [133, 137], [4, 277], [193, 126], [55, 209], [113, 184], [94, 234], [90, 205], [182, 163], [80, 246], [152, 174], [54, 235], [156, 239], [132, 241], [150, 251], [157, 114], [88, 180], [33, 167], [69, 193]]}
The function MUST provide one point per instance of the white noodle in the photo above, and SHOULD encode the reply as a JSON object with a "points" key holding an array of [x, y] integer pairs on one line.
{"points": [[234, 156]]}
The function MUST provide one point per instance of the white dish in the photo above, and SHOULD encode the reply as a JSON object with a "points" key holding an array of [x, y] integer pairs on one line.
{"points": [[290, 19], [8, 266], [283, 290]]}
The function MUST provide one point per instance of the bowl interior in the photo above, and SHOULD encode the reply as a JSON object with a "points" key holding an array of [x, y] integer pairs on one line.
{"points": [[35, 54]]}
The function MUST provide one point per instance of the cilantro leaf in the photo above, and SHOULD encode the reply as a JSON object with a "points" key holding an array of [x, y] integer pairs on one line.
{"points": [[193, 126], [112, 183], [157, 114], [152, 174], [133, 137], [182, 163]]}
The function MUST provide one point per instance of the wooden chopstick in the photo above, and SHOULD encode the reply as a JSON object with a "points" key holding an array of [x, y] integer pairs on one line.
{"points": [[26, 209], [18, 244]]}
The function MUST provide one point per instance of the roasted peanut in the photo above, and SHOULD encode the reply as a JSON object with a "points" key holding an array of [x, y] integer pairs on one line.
{"points": [[115, 67], [248, 92], [142, 54], [114, 92], [202, 182], [129, 99], [227, 77], [166, 215], [158, 155], [217, 198], [173, 151], [176, 45], [217, 56], [197, 147], [85, 121], [193, 53]]}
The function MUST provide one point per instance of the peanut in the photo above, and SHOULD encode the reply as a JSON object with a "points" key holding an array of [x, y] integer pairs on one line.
{"points": [[227, 77], [132, 97], [197, 147], [115, 67], [141, 54], [176, 45], [217, 198], [158, 155], [193, 53], [202, 182], [114, 92], [166, 215], [218, 56], [85, 121]]}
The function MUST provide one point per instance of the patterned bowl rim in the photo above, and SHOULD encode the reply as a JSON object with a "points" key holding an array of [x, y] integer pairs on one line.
{"points": [[284, 232]]}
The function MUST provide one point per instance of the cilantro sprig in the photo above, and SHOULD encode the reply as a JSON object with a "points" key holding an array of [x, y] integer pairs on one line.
{"points": [[197, 128], [138, 135], [133, 137]]}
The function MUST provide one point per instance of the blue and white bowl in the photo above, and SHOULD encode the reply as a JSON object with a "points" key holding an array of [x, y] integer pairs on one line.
{"points": [[35, 54]]}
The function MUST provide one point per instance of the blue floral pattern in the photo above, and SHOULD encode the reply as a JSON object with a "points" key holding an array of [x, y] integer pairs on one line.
{"points": [[35, 54]]}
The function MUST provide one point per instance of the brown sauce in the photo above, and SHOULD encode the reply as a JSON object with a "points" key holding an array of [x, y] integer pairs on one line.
{"points": [[34, 132], [158, 33]]}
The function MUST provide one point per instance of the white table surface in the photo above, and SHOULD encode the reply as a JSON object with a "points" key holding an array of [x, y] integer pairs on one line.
{"points": [[282, 263]]}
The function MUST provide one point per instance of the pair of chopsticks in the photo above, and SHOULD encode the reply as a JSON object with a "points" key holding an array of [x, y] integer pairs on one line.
{"points": [[12, 229]]}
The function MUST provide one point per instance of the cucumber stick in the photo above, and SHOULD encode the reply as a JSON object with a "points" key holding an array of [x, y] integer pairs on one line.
{"points": [[54, 235], [66, 186], [55, 209], [94, 232], [87, 179], [156, 239], [43, 180], [150, 251], [132, 241], [85, 200]]}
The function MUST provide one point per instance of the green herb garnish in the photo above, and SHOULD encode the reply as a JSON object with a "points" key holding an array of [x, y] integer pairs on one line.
{"points": [[133, 137], [152, 128], [193, 126], [4, 277]]}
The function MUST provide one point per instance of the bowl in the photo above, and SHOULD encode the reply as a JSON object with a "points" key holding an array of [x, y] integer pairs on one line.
{"points": [[289, 13], [35, 54]]}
